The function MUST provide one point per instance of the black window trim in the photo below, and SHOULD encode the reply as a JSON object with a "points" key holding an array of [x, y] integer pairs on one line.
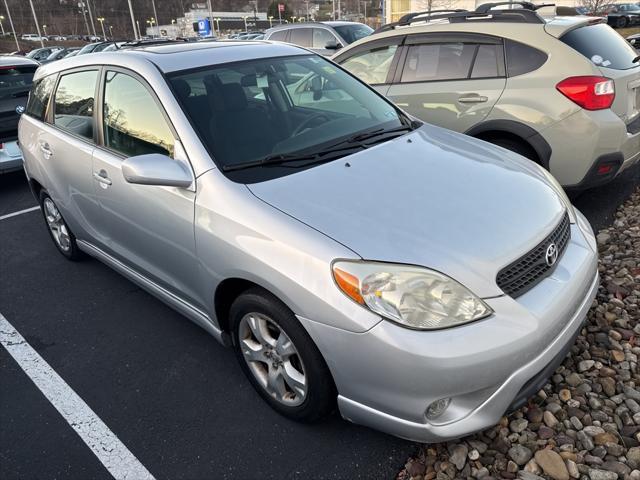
{"points": [[476, 39], [50, 118], [100, 98]]}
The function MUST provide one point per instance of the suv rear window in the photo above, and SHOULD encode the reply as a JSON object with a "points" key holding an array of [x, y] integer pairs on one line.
{"points": [[15, 81], [603, 46]]}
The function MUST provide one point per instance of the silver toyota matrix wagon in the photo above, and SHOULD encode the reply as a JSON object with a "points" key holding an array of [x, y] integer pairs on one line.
{"points": [[422, 280]]}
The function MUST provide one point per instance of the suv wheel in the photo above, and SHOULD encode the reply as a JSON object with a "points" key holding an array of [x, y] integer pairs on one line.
{"points": [[516, 146], [622, 22], [61, 234], [279, 358]]}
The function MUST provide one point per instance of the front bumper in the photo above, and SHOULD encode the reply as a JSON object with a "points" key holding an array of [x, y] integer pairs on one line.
{"points": [[388, 376]]}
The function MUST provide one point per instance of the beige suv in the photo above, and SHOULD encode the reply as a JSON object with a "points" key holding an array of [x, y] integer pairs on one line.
{"points": [[563, 91]]}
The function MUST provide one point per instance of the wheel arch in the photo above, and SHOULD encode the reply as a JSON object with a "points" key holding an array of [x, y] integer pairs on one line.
{"points": [[514, 129]]}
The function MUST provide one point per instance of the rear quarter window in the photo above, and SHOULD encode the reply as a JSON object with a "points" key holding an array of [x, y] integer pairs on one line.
{"points": [[603, 46], [522, 58], [39, 97], [279, 36]]}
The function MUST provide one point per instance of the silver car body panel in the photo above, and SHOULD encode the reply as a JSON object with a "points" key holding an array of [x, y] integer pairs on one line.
{"points": [[432, 198]]}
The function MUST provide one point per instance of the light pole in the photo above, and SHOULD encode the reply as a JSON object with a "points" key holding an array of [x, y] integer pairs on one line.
{"points": [[44, 29], [155, 14], [270, 21], [2, 26], [15, 37], [93, 25], [218, 25], [133, 22], [245, 23], [35, 18], [139, 34], [111, 31], [101, 20]]}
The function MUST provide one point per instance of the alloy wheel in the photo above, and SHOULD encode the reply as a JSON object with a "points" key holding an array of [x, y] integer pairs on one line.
{"points": [[56, 225], [273, 359]]}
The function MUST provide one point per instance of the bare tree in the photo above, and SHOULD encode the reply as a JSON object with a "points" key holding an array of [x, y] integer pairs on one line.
{"points": [[594, 6]]}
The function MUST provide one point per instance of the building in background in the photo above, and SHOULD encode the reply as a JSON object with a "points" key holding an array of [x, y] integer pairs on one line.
{"points": [[190, 25]]}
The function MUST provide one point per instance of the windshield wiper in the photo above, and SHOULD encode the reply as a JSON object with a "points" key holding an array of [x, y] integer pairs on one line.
{"points": [[286, 159]]}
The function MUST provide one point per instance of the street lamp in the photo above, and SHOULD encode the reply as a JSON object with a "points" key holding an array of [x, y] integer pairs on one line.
{"points": [[271, 21], [2, 26], [138, 25], [245, 23], [217, 20], [44, 29], [101, 20], [111, 31]]}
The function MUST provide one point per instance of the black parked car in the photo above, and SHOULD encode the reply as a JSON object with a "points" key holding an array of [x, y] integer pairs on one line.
{"points": [[624, 14], [16, 77]]}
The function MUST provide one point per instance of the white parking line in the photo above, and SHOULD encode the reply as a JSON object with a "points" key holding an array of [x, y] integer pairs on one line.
{"points": [[20, 212], [117, 459]]}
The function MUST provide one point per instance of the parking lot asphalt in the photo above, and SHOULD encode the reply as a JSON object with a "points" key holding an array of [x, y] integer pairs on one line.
{"points": [[173, 395]]}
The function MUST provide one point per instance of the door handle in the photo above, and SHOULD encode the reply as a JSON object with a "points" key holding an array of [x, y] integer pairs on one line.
{"points": [[102, 178], [46, 151], [473, 99]]}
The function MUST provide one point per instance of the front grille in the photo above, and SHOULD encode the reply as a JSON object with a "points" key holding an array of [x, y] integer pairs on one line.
{"points": [[529, 270]]}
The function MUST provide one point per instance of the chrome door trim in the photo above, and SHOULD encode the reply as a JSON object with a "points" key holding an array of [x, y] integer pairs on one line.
{"points": [[181, 306]]}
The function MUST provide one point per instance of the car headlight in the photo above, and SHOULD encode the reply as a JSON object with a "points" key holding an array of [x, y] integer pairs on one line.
{"points": [[414, 297]]}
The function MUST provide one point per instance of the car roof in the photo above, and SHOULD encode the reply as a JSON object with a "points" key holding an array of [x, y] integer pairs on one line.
{"points": [[16, 60], [179, 55]]}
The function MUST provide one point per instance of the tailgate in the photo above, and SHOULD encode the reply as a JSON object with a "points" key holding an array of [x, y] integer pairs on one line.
{"points": [[627, 101]]}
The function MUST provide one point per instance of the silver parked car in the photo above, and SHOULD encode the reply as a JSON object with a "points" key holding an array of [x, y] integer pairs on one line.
{"points": [[426, 280]]}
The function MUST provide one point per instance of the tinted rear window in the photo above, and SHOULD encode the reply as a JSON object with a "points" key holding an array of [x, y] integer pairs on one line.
{"points": [[39, 97], [15, 81], [603, 46], [522, 58]]}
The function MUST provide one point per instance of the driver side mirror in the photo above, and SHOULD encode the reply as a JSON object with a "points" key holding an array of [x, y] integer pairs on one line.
{"points": [[156, 169], [333, 45]]}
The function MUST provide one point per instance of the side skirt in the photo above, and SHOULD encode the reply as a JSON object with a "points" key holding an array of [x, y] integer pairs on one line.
{"points": [[192, 313]]}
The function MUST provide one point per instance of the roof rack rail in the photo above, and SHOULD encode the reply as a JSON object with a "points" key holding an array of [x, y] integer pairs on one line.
{"points": [[486, 7], [483, 13], [150, 42]]}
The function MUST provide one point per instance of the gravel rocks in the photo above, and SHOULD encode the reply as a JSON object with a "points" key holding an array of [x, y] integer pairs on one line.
{"points": [[585, 423]]}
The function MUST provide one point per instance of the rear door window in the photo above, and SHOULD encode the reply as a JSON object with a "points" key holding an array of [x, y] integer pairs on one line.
{"points": [[74, 101], [603, 46], [301, 37], [39, 97], [522, 58], [438, 61], [279, 36], [487, 64]]}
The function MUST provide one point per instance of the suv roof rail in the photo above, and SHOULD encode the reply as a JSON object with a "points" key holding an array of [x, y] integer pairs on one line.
{"points": [[154, 41], [483, 13], [486, 7]]}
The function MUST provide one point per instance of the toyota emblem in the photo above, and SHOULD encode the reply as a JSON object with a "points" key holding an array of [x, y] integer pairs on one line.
{"points": [[551, 255]]}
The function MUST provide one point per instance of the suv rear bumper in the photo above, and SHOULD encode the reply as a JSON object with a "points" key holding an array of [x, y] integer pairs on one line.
{"points": [[587, 139], [9, 163]]}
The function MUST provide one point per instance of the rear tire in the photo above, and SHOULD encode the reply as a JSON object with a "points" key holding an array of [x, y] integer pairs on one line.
{"points": [[62, 236], [279, 358], [622, 22], [516, 146]]}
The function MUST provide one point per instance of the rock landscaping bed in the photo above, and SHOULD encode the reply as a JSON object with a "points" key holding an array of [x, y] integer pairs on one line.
{"points": [[585, 423]]}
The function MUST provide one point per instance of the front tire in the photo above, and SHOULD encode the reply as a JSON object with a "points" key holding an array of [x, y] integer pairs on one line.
{"points": [[279, 358], [622, 22], [516, 146], [62, 236]]}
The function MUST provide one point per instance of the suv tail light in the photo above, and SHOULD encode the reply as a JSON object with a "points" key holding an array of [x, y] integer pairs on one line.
{"points": [[591, 93]]}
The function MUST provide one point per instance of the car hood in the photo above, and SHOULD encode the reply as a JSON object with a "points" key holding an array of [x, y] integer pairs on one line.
{"points": [[432, 198]]}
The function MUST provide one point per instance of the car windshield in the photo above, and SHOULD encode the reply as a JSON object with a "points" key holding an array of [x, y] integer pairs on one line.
{"points": [[352, 33], [603, 46], [15, 81], [254, 110]]}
